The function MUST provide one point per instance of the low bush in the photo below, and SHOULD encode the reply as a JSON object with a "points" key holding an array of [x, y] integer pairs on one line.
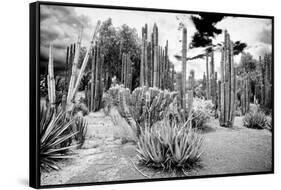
{"points": [[255, 120], [202, 111], [107, 103], [199, 119], [205, 106], [169, 145]]}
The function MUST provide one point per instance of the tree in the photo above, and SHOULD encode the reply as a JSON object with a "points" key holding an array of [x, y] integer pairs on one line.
{"points": [[130, 43], [109, 47]]}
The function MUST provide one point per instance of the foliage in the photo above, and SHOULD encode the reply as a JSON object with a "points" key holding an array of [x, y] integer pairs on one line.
{"points": [[115, 41], [80, 125], [106, 103], [84, 81], [256, 120], [169, 145], [54, 138], [247, 62], [110, 98], [43, 86], [202, 111], [80, 107], [199, 119], [205, 106], [113, 93], [269, 122], [199, 90]]}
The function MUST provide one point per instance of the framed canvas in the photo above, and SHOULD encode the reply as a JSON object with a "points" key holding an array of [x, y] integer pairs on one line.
{"points": [[126, 94]]}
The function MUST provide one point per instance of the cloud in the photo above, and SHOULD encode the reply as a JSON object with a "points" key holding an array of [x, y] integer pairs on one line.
{"points": [[265, 36], [59, 25]]}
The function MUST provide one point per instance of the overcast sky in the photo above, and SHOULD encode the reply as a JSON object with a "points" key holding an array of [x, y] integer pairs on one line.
{"points": [[60, 25]]}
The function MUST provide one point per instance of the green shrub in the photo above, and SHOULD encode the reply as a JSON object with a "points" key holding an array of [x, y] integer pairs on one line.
{"points": [[255, 120], [55, 138], [169, 145]]}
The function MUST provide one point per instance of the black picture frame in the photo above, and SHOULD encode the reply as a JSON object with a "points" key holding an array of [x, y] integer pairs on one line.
{"points": [[34, 100]]}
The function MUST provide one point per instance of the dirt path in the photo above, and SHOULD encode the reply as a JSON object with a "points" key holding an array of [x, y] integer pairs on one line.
{"points": [[236, 150]]}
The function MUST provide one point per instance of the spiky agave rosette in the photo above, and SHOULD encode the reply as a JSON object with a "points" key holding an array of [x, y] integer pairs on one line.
{"points": [[169, 145], [55, 138]]}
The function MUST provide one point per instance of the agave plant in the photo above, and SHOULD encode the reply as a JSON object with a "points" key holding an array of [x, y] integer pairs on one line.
{"points": [[55, 138], [255, 120], [169, 145]]}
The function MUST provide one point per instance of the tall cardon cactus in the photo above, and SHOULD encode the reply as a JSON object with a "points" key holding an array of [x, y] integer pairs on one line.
{"points": [[228, 87]]}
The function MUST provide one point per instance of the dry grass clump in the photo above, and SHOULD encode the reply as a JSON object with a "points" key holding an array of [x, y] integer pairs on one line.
{"points": [[256, 120]]}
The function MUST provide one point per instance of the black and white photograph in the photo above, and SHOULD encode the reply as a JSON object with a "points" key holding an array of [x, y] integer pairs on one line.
{"points": [[140, 94]]}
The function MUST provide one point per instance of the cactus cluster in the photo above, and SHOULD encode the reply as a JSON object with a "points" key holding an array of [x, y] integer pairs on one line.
{"points": [[155, 67], [265, 78], [96, 84], [144, 106]]}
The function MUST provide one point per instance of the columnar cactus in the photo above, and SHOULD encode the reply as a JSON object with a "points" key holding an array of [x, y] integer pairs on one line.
{"points": [[166, 63], [190, 91], [74, 69], [267, 80], [245, 99], [154, 65], [173, 77], [155, 60], [84, 64], [212, 79], [207, 78], [228, 86], [51, 78], [92, 82], [66, 70], [184, 49]]}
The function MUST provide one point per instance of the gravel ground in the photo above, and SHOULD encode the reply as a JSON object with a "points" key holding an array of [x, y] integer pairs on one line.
{"points": [[106, 158]]}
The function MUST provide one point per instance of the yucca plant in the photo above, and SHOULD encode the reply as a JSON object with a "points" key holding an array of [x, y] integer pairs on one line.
{"points": [[169, 145], [55, 138], [255, 120]]}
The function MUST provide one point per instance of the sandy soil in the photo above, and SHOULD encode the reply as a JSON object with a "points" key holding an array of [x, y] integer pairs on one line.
{"points": [[106, 157]]}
